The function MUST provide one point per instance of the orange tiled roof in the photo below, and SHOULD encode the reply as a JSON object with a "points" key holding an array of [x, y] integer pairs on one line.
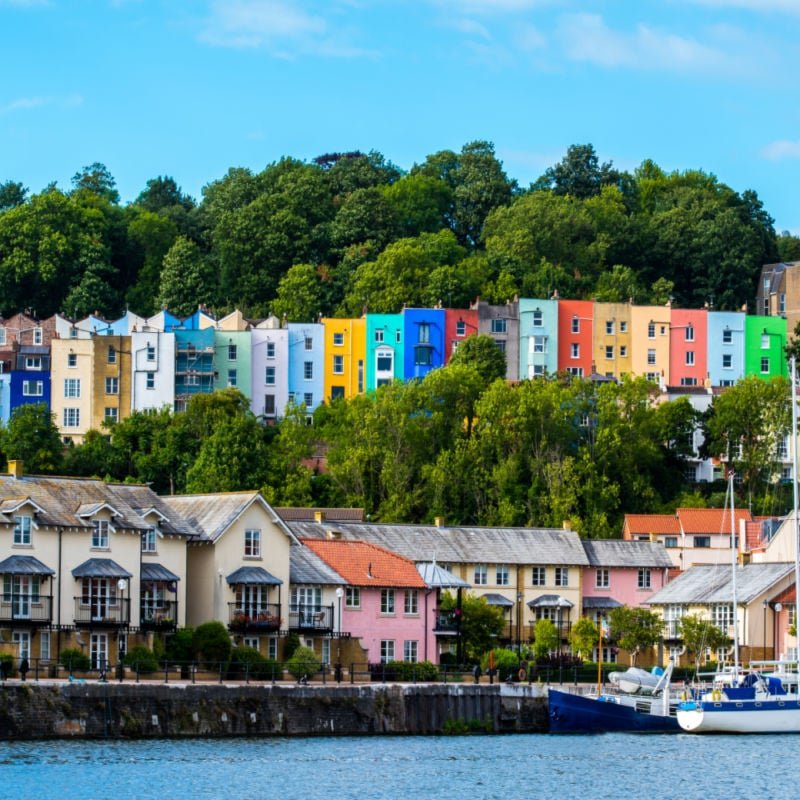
{"points": [[364, 564], [651, 523], [710, 520]]}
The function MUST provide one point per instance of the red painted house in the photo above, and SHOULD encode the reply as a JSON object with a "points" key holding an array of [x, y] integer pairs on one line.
{"points": [[575, 337]]}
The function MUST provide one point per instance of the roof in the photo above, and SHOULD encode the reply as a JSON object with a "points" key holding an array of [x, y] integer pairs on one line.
{"points": [[157, 572], [601, 602], [702, 585], [550, 601], [363, 564], [144, 501], [651, 523], [331, 514], [305, 567], [437, 577], [624, 553], [497, 600], [257, 576], [212, 514], [711, 520], [100, 568], [24, 565], [457, 544]]}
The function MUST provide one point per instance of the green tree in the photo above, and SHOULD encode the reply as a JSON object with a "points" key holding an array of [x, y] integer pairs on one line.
{"points": [[584, 637], [163, 193], [482, 354], [579, 174], [12, 194], [98, 180], [301, 294], [420, 203], [699, 634], [545, 639], [212, 644], [480, 626], [33, 438], [635, 629], [304, 663], [365, 215], [185, 278]]}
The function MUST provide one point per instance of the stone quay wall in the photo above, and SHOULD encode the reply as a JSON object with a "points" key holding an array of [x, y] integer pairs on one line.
{"points": [[139, 711]]}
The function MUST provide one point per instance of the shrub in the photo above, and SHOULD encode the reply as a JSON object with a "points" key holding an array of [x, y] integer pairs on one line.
{"points": [[180, 646], [6, 664], [408, 671], [506, 662], [290, 645], [212, 644], [74, 659], [141, 658], [248, 660], [304, 662]]}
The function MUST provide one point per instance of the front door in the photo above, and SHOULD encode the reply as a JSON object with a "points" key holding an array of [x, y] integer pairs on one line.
{"points": [[99, 650]]}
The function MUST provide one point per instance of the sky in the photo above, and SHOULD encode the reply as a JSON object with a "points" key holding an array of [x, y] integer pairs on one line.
{"points": [[191, 88]]}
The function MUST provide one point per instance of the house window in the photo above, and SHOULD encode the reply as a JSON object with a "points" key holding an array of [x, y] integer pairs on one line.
{"points": [[72, 417], [461, 328], [424, 333], [149, 541], [651, 330], [575, 371], [112, 385], [539, 344], [562, 576], [352, 597], [37, 336], [727, 336], [150, 380], [652, 377], [252, 543], [100, 534], [670, 541], [643, 578], [33, 363], [623, 351], [498, 326], [2, 336], [360, 374], [689, 333], [690, 358], [410, 649], [538, 370], [337, 392], [72, 360], [651, 357], [537, 318], [411, 602], [423, 356], [501, 345], [231, 352], [338, 365], [688, 381], [623, 327], [387, 601], [269, 376], [765, 364], [384, 362], [722, 616], [232, 377], [480, 577], [150, 351], [308, 370], [702, 541], [601, 578], [112, 355], [609, 327], [110, 415], [269, 405], [379, 335], [576, 325], [72, 387], [538, 576], [308, 399], [575, 350], [765, 341], [22, 530], [727, 361], [338, 339], [308, 342], [609, 351], [270, 349], [501, 573], [33, 388], [387, 650]]}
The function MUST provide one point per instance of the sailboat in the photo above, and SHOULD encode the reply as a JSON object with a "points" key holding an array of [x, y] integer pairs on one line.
{"points": [[754, 703]]}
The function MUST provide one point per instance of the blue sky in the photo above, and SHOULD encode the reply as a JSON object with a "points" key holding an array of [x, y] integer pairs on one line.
{"points": [[189, 88]]}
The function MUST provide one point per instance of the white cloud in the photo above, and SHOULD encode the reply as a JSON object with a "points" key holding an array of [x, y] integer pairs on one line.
{"points": [[528, 38], [585, 37], [469, 27], [30, 103], [780, 150]]}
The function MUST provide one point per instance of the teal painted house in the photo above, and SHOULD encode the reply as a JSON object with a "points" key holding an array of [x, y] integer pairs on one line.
{"points": [[384, 349], [538, 338], [233, 357]]}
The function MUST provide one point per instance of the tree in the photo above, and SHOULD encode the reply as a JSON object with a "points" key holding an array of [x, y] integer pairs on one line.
{"points": [[482, 354], [185, 278], [480, 623], [162, 193], [301, 294], [98, 180], [212, 644], [635, 629], [579, 174], [33, 438], [12, 194], [699, 635], [545, 639], [584, 636], [96, 290]]}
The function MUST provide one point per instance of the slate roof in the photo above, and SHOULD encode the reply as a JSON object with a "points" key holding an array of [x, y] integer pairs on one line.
{"points": [[143, 499], [100, 568], [365, 565], [457, 544], [305, 567], [157, 572], [296, 513], [601, 602], [550, 601], [24, 565], [624, 553], [702, 585], [210, 515], [498, 600], [253, 576], [437, 577]]}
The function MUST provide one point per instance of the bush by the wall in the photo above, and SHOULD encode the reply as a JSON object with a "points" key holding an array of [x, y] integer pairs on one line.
{"points": [[304, 663], [74, 659], [248, 661], [142, 659], [212, 644]]}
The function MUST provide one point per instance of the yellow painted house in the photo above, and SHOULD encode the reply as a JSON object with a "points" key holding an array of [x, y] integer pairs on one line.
{"points": [[345, 357], [612, 338]]}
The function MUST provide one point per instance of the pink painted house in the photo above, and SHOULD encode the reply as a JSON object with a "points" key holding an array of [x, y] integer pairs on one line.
{"points": [[688, 347], [384, 600]]}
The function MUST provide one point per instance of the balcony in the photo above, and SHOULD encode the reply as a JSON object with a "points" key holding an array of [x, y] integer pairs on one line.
{"points": [[446, 623], [102, 612], [311, 618], [158, 616], [252, 617], [23, 609], [672, 630]]}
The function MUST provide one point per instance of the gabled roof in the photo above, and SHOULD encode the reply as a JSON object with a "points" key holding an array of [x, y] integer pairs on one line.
{"points": [[145, 501], [711, 520], [210, 515], [642, 524], [459, 545], [306, 567], [365, 565], [702, 585], [90, 509], [624, 553]]}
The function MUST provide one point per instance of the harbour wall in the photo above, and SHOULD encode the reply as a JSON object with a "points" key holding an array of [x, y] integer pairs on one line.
{"points": [[126, 711]]}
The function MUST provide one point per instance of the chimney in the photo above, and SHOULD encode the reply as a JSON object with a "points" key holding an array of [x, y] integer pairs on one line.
{"points": [[566, 525], [15, 467], [653, 538], [439, 522], [319, 516]]}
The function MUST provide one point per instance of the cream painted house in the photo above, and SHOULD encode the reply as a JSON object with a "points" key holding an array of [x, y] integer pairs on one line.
{"points": [[238, 565]]}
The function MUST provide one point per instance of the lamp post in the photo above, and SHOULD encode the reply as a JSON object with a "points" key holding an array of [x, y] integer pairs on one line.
{"points": [[764, 639], [519, 622], [338, 667]]}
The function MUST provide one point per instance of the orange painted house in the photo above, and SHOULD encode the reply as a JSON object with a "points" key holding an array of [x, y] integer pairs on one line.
{"points": [[575, 337]]}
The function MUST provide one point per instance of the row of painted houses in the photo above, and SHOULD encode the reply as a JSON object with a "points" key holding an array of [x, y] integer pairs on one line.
{"points": [[92, 371], [105, 566]]}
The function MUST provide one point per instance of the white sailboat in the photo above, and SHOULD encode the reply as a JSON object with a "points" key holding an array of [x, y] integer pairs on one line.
{"points": [[755, 703]]}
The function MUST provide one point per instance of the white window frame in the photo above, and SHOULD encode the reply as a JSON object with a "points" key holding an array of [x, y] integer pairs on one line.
{"points": [[100, 533], [538, 576], [22, 529], [602, 578], [562, 576], [411, 602], [252, 543], [480, 575], [387, 602], [411, 651], [352, 597]]}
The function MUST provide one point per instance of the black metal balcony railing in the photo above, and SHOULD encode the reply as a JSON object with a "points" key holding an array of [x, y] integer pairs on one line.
{"points": [[311, 617], [102, 611], [158, 616], [446, 622], [254, 616], [25, 608]]}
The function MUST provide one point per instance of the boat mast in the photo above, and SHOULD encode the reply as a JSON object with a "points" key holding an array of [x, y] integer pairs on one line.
{"points": [[792, 368], [734, 563]]}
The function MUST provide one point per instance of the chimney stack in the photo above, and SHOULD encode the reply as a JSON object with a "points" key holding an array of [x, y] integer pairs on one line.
{"points": [[15, 467]]}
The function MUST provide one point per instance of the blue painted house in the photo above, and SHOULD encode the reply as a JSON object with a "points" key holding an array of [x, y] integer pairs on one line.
{"points": [[423, 341], [726, 337], [538, 337], [306, 364], [30, 376]]}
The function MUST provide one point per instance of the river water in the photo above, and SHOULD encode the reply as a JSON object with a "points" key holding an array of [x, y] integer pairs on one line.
{"points": [[618, 766]]}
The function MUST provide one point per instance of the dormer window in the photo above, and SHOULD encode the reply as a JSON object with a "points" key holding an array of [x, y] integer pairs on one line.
{"points": [[100, 534], [22, 529]]}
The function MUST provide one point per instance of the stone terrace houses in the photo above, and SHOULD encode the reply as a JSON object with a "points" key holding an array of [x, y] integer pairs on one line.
{"points": [[531, 573]]}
